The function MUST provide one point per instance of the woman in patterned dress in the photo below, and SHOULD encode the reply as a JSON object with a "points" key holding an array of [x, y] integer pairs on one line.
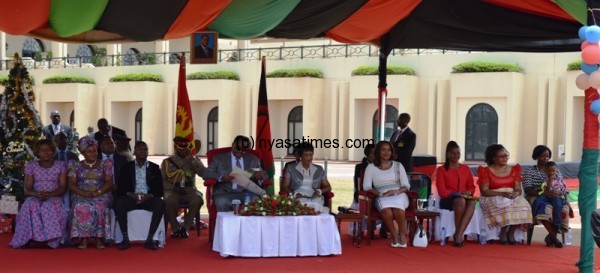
{"points": [[533, 177], [90, 182], [42, 217], [501, 201]]}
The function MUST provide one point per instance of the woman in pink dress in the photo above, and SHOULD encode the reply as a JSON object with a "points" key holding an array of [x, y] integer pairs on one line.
{"points": [[456, 187], [501, 201], [42, 217], [90, 183]]}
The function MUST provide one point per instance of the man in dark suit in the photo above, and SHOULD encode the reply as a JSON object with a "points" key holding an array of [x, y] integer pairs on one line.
{"points": [[140, 187], [62, 153], [404, 140], [203, 50], [105, 129], [179, 181], [221, 167], [107, 148], [51, 130]]}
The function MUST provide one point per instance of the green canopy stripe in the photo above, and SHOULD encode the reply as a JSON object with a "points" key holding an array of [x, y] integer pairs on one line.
{"points": [[72, 17], [588, 186], [576, 8], [251, 18]]}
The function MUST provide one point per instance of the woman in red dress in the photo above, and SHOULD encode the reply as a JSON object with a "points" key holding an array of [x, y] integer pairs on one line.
{"points": [[455, 186], [501, 201]]}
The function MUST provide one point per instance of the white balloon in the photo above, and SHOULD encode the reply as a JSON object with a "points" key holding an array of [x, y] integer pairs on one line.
{"points": [[583, 81], [594, 80]]}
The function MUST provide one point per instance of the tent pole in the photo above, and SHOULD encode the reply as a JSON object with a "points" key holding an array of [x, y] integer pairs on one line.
{"points": [[382, 90]]}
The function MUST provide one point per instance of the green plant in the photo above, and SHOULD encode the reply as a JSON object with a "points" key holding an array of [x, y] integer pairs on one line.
{"points": [[37, 56], [49, 56], [391, 70], [3, 80], [475, 67], [213, 75], [68, 79], [137, 77], [147, 58], [99, 54], [295, 73], [574, 66], [118, 59]]}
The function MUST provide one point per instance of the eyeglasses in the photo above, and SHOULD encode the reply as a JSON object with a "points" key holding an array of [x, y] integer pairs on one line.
{"points": [[505, 156]]}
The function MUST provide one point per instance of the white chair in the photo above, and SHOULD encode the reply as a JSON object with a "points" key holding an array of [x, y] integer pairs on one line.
{"points": [[138, 222]]}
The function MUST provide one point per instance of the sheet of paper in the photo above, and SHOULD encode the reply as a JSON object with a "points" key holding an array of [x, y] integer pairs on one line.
{"points": [[248, 184], [239, 171]]}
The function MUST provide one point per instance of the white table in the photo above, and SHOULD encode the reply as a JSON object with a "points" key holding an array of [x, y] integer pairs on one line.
{"points": [[276, 236], [446, 220]]}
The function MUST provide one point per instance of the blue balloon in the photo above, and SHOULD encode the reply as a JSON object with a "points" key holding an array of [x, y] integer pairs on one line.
{"points": [[582, 32], [595, 107], [592, 34], [588, 68]]}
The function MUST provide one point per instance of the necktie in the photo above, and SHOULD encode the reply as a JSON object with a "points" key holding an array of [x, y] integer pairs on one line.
{"points": [[62, 156], [239, 165]]}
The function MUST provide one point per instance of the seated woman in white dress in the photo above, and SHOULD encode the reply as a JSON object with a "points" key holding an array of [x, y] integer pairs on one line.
{"points": [[387, 180], [306, 181]]}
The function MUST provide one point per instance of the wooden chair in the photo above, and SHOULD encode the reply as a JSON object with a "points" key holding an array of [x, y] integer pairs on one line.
{"points": [[211, 182], [367, 208]]}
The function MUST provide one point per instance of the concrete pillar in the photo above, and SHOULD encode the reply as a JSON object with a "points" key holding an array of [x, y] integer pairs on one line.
{"points": [[2, 45], [58, 49]]}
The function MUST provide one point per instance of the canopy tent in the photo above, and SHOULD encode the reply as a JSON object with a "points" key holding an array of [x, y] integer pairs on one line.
{"points": [[478, 25]]}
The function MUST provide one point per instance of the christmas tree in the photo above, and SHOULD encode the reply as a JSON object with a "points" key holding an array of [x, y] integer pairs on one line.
{"points": [[20, 129]]}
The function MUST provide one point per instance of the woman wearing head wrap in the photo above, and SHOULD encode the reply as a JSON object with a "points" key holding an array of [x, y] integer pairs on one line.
{"points": [[90, 182]]}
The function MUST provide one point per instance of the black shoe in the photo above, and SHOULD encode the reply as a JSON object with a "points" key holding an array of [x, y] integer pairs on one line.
{"points": [[558, 244], [183, 233], [125, 244], [150, 244], [548, 240], [175, 235], [503, 242]]}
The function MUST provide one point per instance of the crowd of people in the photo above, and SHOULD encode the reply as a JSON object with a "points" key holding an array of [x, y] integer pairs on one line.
{"points": [[70, 201]]}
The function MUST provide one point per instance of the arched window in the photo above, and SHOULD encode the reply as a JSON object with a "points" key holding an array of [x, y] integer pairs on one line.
{"points": [[32, 46], [294, 126], [72, 119], [481, 131], [391, 115], [138, 125], [213, 129], [85, 54], [132, 57]]}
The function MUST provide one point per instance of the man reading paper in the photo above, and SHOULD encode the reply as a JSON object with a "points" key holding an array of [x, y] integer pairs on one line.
{"points": [[221, 169]]}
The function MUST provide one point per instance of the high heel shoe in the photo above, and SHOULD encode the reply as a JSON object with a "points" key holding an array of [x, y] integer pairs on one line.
{"points": [[83, 244], [99, 244]]}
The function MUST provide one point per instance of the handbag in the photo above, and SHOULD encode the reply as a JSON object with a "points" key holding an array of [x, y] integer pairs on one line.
{"points": [[420, 239]]}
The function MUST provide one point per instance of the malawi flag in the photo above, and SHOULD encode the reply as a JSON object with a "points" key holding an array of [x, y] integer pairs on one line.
{"points": [[263, 128], [184, 126]]}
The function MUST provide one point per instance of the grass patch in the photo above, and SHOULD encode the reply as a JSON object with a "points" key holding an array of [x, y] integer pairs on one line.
{"points": [[68, 79], [3, 80], [476, 67], [214, 75], [574, 66], [137, 77], [296, 73], [391, 70]]}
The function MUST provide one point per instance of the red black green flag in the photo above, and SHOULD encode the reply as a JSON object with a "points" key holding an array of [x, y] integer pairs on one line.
{"points": [[263, 128]]}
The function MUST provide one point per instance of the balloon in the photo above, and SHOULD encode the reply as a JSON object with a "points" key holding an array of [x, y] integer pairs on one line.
{"points": [[582, 32], [585, 44], [598, 118], [592, 34], [595, 107], [582, 81], [588, 68], [591, 54], [594, 80]]}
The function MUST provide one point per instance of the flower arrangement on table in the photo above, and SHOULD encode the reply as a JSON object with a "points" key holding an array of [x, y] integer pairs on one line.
{"points": [[277, 205]]}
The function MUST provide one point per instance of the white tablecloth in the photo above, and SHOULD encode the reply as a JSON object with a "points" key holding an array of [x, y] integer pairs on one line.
{"points": [[446, 220], [276, 236]]}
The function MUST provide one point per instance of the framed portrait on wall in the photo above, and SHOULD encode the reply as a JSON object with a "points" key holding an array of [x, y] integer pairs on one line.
{"points": [[203, 47]]}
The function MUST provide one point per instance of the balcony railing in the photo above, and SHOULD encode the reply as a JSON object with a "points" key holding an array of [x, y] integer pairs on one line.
{"points": [[228, 55]]}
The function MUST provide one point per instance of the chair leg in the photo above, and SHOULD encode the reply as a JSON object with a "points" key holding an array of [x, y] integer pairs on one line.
{"points": [[198, 223], [370, 230], [530, 234]]}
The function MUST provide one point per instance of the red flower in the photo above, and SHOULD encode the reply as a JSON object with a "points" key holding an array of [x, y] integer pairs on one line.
{"points": [[272, 213], [274, 203]]}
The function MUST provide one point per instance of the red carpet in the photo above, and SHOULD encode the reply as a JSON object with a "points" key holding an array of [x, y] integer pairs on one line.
{"points": [[194, 255]]}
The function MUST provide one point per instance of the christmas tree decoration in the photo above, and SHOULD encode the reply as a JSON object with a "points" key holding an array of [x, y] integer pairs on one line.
{"points": [[20, 129]]}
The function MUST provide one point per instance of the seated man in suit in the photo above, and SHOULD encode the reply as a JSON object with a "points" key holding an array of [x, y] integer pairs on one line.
{"points": [[140, 187], [179, 181], [63, 153], [221, 167], [52, 129], [107, 148]]}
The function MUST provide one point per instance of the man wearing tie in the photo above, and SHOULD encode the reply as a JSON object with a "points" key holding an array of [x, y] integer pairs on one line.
{"points": [[221, 167], [203, 50], [52, 129], [107, 148], [404, 140], [179, 182]]}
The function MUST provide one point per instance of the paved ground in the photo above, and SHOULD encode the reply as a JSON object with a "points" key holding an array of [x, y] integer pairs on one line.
{"points": [[345, 170]]}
